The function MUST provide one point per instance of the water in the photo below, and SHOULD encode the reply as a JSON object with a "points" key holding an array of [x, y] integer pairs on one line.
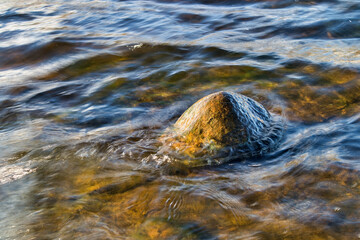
{"points": [[88, 87]]}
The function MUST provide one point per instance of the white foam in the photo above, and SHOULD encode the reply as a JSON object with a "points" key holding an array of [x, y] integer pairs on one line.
{"points": [[11, 173]]}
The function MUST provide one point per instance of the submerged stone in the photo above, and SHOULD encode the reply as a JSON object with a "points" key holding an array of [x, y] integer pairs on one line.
{"points": [[161, 228], [222, 126]]}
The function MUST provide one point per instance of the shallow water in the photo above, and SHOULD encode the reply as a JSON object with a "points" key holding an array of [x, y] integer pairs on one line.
{"points": [[87, 88]]}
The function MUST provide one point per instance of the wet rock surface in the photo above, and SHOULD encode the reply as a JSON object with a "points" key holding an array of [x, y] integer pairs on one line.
{"points": [[223, 126]]}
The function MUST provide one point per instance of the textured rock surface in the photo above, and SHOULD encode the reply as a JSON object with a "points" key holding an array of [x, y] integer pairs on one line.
{"points": [[223, 125]]}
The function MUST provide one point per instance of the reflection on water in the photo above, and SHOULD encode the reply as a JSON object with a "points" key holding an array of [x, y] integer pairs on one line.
{"points": [[88, 87]]}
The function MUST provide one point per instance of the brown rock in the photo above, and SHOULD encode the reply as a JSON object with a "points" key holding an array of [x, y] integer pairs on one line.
{"points": [[222, 125]]}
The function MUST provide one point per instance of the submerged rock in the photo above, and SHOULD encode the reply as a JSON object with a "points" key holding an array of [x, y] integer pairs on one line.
{"points": [[160, 228], [220, 127]]}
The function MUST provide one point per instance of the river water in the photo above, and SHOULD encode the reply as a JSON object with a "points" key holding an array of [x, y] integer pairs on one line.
{"points": [[88, 87]]}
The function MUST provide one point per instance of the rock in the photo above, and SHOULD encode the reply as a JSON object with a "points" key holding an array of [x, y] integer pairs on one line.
{"points": [[222, 126]]}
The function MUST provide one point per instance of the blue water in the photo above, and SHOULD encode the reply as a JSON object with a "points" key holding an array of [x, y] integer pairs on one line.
{"points": [[88, 87]]}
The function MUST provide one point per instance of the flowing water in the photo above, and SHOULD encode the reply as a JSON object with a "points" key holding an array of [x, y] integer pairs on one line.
{"points": [[88, 87]]}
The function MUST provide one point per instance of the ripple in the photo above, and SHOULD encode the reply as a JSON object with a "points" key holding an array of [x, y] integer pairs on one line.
{"points": [[11, 173], [33, 53]]}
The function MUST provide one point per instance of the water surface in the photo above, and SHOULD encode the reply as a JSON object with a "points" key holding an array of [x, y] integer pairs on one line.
{"points": [[88, 87]]}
